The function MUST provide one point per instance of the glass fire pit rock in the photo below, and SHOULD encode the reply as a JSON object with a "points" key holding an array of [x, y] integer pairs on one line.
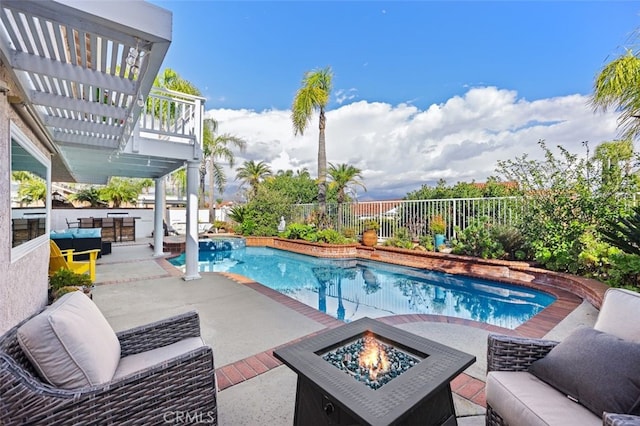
{"points": [[387, 363]]}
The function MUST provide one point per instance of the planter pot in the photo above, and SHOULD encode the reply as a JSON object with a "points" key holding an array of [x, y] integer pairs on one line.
{"points": [[439, 240], [370, 238]]}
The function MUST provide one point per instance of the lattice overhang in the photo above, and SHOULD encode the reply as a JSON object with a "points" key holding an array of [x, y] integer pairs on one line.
{"points": [[83, 66]]}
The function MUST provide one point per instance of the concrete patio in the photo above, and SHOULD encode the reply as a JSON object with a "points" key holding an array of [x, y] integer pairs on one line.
{"points": [[244, 322]]}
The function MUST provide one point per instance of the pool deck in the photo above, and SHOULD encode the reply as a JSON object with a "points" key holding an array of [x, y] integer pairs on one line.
{"points": [[244, 322]]}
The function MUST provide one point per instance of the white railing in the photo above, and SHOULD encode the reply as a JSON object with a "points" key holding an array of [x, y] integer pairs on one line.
{"points": [[172, 116], [414, 215]]}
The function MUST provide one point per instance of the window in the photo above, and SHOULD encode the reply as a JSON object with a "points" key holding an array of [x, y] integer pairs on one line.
{"points": [[30, 189]]}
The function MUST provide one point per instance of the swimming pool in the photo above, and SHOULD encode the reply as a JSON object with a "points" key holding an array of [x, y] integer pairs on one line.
{"points": [[352, 288]]}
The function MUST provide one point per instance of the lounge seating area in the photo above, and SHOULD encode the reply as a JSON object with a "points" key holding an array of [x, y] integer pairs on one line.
{"points": [[80, 239], [66, 365], [590, 378]]}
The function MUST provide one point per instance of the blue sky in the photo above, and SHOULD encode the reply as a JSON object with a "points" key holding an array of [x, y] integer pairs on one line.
{"points": [[410, 63]]}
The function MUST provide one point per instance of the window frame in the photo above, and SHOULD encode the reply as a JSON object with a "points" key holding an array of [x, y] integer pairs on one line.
{"points": [[17, 135]]}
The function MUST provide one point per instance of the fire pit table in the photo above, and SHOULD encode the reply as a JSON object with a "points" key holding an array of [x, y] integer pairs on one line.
{"points": [[367, 372]]}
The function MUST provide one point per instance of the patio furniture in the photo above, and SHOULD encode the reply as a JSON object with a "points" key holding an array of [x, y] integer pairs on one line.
{"points": [[108, 226], [128, 229], [79, 239], [64, 259], [147, 375], [86, 222], [583, 380], [71, 224]]}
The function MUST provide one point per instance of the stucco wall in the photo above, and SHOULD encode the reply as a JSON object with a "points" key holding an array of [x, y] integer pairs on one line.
{"points": [[23, 282]]}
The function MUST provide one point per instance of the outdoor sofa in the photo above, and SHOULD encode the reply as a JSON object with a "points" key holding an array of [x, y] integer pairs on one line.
{"points": [[591, 378], [79, 239], [66, 366]]}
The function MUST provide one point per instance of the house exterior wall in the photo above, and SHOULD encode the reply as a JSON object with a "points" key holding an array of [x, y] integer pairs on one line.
{"points": [[23, 281]]}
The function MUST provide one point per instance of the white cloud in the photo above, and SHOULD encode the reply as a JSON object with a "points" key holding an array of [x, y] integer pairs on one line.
{"points": [[401, 147], [343, 95]]}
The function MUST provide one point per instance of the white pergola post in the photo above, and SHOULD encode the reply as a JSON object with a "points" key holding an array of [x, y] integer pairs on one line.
{"points": [[158, 216], [191, 247]]}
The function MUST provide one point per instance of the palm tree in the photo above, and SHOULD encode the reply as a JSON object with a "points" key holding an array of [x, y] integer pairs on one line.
{"points": [[32, 190], [252, 174], [216, 147], [312, 96], [170, 79], [344, 176], [121, 190], [89, 195], [618, 87]]}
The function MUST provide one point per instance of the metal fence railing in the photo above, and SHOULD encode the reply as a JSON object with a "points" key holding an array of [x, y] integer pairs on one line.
{"points": [[414, 215]]}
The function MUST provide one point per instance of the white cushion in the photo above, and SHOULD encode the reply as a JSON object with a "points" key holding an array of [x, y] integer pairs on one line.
{"points": [[137, 362], [616, 315], [521, 398], [71, 344]]}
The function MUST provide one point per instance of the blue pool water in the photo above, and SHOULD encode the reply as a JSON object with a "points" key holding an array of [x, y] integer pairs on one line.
{"points": [[352, 289]]}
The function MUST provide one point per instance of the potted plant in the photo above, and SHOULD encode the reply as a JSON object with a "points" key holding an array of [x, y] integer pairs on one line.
{"points": [[370, 233], [438, 227], [65, 281]]}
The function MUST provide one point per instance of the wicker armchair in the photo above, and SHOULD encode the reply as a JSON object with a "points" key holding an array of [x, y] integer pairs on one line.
{"points": [[516, 354], [182, 386]]}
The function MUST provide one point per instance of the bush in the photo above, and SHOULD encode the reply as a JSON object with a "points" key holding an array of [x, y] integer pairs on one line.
{"points": [[401, 239], [349, 233], [65, 277], [330, 236], [511, 240], [65, 281], [299, 231], [625, 271], [477, 240], [426, 241], [437, 225]]}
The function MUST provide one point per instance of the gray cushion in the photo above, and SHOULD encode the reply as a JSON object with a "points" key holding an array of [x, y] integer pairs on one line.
{"points": [[70, 343], [137, 362], [618, 306], [522, 399], [599, 370]]}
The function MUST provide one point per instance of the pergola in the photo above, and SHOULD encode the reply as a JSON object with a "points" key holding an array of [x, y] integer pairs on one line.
{"points": [[85, 71]]}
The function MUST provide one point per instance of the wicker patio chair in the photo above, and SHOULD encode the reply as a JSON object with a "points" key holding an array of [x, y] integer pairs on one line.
{"points": [[516, 354], [181, 386]]}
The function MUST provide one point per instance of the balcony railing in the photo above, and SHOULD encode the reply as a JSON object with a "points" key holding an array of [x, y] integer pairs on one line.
{"points": [[171, 116]]}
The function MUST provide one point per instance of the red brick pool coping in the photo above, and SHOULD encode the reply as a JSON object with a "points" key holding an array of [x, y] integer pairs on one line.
{"points": [[464, 385], [569, 292]]}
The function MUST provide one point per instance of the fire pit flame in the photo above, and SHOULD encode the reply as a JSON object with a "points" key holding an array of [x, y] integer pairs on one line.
{"points": [[370, 361], [373, 357]]}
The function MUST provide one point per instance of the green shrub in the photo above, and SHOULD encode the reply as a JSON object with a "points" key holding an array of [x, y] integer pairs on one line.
{"points": [[401, 239], [247, 227], [298, 231], [330, 236], [238, 214], [437, 225], [625, 271], [221, 224], [349, 233], [370, 225], [511, 240], [595, 259], [65, 277], [477, 240], [426, 241]]}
